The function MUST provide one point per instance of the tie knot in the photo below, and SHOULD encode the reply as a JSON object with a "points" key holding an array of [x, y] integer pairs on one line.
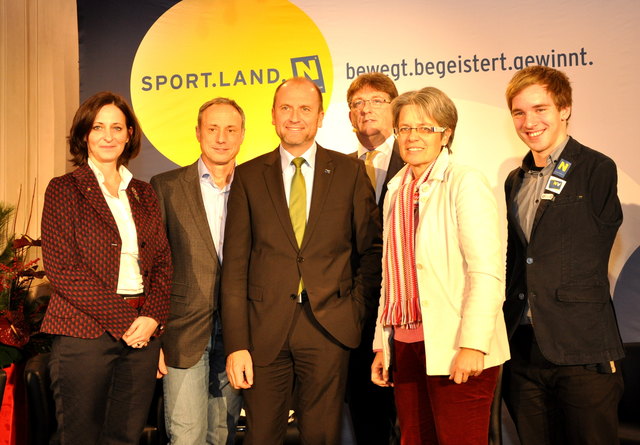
{"points": [[370, 155], [298, 162]]}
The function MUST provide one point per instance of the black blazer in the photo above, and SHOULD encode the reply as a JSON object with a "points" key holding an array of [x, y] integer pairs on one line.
{"points": [[562, 271]]}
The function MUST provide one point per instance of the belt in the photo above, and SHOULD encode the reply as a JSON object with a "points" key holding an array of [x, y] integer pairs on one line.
{"points": [[135, 301]]}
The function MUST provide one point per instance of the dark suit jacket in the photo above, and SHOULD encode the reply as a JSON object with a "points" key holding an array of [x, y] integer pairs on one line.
{"points": [[263, 264], [562, 271], [395, 164], [81, 254], [196, 268]]}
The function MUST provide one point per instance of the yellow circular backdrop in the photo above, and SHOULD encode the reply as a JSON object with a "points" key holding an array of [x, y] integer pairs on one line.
{"points": [[241, 49]]}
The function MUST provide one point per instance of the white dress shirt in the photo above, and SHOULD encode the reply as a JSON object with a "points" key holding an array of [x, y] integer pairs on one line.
{"points": [[129, 276]]}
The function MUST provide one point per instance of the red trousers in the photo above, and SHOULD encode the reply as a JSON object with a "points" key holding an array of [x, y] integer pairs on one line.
{"points": [[433, 410]]}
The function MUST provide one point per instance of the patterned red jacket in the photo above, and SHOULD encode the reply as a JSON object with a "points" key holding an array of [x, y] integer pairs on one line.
{"points": [[81, 254]]}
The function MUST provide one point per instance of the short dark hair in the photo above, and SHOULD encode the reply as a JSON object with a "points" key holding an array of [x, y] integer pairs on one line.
{"points": [[221, 101], [555, 81], [83, 122], [299, 80], [375, 81]]}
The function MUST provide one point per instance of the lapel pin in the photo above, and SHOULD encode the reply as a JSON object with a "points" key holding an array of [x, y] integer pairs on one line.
{"points": [[135, 194], [327, 171]]}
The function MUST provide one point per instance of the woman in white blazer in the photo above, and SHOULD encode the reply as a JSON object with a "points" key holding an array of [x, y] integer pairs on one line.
{"points": [[440, 326]]}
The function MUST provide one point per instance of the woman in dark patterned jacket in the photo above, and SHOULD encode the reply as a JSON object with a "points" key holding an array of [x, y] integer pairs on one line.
{"points": [[107, 256]]}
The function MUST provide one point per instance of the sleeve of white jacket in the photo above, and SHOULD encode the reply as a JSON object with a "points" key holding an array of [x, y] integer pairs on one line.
{"points": [[479, 235]]}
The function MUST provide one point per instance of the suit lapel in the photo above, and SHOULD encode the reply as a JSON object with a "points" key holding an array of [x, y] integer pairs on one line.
{"points": [[395, 164], [138, 211], [511, 205], [89, 187], [568, 154], [190, 183], [275, 188], [322, 177], [544, 203]]}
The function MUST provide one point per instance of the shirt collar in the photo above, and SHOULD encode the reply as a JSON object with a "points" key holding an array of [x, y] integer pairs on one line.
{"points": [[528, 162], [204, 174], [309, 157], [125, 175], [386, 147]]}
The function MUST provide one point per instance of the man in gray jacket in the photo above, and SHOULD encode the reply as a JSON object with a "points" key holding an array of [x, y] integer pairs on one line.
{"points": [[200, 405]]}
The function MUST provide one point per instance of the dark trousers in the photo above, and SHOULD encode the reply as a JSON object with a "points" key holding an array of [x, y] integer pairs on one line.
{"points": [[559, 405], [433, 410], [309, 374], [102, 389], [372, 408]]}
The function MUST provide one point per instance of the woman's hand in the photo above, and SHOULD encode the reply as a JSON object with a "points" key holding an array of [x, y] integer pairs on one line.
{"points": [[467, 363], [140, 332], [380, 375]]}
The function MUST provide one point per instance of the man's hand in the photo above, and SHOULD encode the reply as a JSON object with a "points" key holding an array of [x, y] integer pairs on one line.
{"points": [[240, 369], [379, 374], [467, 363], [162, 367]]}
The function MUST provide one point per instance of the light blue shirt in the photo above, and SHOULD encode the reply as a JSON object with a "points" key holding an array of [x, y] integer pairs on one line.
{"points": [[308, 167], [215, 205]]}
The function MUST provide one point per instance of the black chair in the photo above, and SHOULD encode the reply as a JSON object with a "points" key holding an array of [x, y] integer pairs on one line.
{"points": [[41, 408], [628, 411]]}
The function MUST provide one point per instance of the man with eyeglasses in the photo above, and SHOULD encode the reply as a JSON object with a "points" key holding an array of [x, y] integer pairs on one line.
{"points": [[562, 384], [369, 97]]}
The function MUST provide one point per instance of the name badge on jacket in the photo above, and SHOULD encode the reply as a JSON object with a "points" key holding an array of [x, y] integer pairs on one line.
{"points": [[555, 185]]}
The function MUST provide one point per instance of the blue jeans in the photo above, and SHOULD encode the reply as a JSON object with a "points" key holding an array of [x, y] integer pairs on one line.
{"points": [[200, 404]]}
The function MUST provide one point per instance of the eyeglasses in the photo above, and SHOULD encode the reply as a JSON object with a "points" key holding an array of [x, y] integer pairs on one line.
{"points": [[375, 103], [423, 130]]}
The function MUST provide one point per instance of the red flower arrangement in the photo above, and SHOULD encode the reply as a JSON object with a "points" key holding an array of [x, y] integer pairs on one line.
{"points": [[19, 318]]}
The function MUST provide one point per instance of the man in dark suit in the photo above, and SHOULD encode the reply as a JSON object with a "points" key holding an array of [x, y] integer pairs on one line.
{"points": [[562, 385], [369, 97], [200, 405], [302, 267]]}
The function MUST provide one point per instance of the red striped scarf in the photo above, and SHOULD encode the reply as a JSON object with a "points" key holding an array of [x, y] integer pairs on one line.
{"points": [[402, 302]]}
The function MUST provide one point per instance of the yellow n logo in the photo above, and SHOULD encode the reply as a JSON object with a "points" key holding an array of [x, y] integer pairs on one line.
{"points": [[310, 68], [564, 165]]}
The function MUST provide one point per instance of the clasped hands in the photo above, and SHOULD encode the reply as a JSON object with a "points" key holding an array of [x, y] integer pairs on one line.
{"points": [[139, 333]]}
